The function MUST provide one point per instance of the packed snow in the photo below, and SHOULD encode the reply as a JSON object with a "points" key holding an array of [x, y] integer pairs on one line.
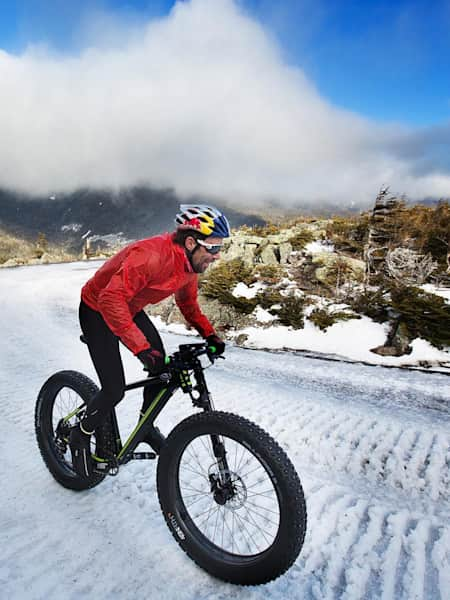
{"points": [[371, 446]]}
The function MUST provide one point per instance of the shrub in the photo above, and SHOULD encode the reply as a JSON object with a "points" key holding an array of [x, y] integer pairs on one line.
{"points": [[15, 248], [349, 234], [323, 318], [291, 312], [425, 315], [8, 249], [427, 229], [223, 278], [299, 241], [340, 272], [373, 303], [268, 297], [264, 230], [269, 274]]}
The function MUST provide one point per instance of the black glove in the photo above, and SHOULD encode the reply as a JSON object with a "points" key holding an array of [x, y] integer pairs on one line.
{"points": [[152, 360], [219, 345]]}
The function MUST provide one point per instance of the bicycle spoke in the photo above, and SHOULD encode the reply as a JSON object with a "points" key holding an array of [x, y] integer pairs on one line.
{"points": [[193, 489], [192, 470], [243, 517], [275, 512], [208, 448], [200, 497], [259, 528], [215, 526], [249, 487], [210, 512], [238, 467], [194, 457], [258, 467], [244, 528], [263, 517]]}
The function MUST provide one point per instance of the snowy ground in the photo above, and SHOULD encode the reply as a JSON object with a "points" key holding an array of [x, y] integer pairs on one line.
{"points": [[348, 340], [371, 445]]}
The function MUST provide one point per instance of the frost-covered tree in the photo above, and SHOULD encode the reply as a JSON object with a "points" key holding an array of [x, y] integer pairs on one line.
{"points": [[408, 267]]}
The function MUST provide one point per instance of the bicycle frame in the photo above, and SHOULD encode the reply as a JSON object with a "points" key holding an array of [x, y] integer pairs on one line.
{"points": [[160, 389], [162, 393]]}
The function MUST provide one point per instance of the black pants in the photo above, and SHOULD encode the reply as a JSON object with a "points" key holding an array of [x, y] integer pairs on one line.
{"points": [[105, 354]]}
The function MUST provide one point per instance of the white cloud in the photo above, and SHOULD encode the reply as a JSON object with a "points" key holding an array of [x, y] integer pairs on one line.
{"points": [[201, 101]]}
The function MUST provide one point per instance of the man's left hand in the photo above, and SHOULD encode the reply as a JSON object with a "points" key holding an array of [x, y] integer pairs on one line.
{"points": [[219, 344]]}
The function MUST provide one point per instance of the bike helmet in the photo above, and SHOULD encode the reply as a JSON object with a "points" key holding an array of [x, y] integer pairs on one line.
{"points": [[202, 218]]}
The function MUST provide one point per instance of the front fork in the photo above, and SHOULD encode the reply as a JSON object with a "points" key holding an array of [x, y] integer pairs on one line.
{"points": [[203, 400], [221, 455]]}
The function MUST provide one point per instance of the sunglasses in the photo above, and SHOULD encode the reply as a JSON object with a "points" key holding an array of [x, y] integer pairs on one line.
{"points": [[211, 248]]}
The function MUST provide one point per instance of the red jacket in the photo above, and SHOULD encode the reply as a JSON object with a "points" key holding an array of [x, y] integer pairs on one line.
{"points": [[144, 273]]}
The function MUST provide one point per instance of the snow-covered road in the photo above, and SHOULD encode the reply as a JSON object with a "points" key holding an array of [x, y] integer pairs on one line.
{"points": [[371, 445]]}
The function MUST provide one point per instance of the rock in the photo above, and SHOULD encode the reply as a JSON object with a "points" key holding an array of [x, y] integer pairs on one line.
{"points": [[222, 317], [285, 252], [241, 339], [268, 255], [246, 252], [397, 343], [386, 351], [328, 260]]}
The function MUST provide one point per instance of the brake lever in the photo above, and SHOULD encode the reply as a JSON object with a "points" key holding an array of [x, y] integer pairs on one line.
{"points": [[212, 356]]}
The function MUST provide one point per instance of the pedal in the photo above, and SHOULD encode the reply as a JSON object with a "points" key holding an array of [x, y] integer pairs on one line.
{"points": [[109, 467], [102, 467], [143, 456]]}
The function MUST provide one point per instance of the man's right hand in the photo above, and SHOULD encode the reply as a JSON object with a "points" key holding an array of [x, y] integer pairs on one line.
{"points": [[152, 360]]}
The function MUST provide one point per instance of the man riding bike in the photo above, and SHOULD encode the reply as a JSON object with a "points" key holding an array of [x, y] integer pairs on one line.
{"points": [[112, 303]]}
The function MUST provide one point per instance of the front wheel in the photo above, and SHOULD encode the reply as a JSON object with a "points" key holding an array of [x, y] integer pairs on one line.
{"points": [[231, 498]]}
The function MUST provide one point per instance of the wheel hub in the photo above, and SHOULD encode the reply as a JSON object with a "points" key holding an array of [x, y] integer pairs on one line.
{"points": [[232, 494]]}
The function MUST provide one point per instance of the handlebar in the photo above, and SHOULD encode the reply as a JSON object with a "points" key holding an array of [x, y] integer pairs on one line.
{"points": [[187, 354]]}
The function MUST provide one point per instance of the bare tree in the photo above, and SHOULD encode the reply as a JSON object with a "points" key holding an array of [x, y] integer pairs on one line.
{"points": [[409, 267]]}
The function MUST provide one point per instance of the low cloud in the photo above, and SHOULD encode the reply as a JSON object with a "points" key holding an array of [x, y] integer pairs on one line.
{"points": [[200, 101]]}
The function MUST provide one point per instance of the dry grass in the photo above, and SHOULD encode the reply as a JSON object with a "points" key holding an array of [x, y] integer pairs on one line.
{"points": [[24, 252], [15, 248]]}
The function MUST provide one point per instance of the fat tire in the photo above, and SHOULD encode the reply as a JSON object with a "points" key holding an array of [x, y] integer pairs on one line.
{"points": [[55, 463], [245, 570]]}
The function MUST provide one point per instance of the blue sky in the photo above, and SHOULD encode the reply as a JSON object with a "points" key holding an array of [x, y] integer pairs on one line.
{"points": [[384, 59]]}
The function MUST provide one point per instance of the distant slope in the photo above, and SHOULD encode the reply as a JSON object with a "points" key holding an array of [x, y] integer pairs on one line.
{"points": [[136, 212]]}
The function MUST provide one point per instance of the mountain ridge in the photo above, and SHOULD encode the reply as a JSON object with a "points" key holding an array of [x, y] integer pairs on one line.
{"points": [[133, 212]]}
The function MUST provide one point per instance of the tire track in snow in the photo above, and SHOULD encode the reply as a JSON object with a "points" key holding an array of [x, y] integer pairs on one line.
{"points": [[363, 561], [350, 526], [323, 532], [372, 443], [382, 553]]}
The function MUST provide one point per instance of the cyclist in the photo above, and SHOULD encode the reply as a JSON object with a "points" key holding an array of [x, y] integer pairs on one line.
{"points": [[112, 303]]}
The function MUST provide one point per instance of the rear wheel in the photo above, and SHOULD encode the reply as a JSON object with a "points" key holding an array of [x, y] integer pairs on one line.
{"points": [[59, 406], [242, 517]]}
